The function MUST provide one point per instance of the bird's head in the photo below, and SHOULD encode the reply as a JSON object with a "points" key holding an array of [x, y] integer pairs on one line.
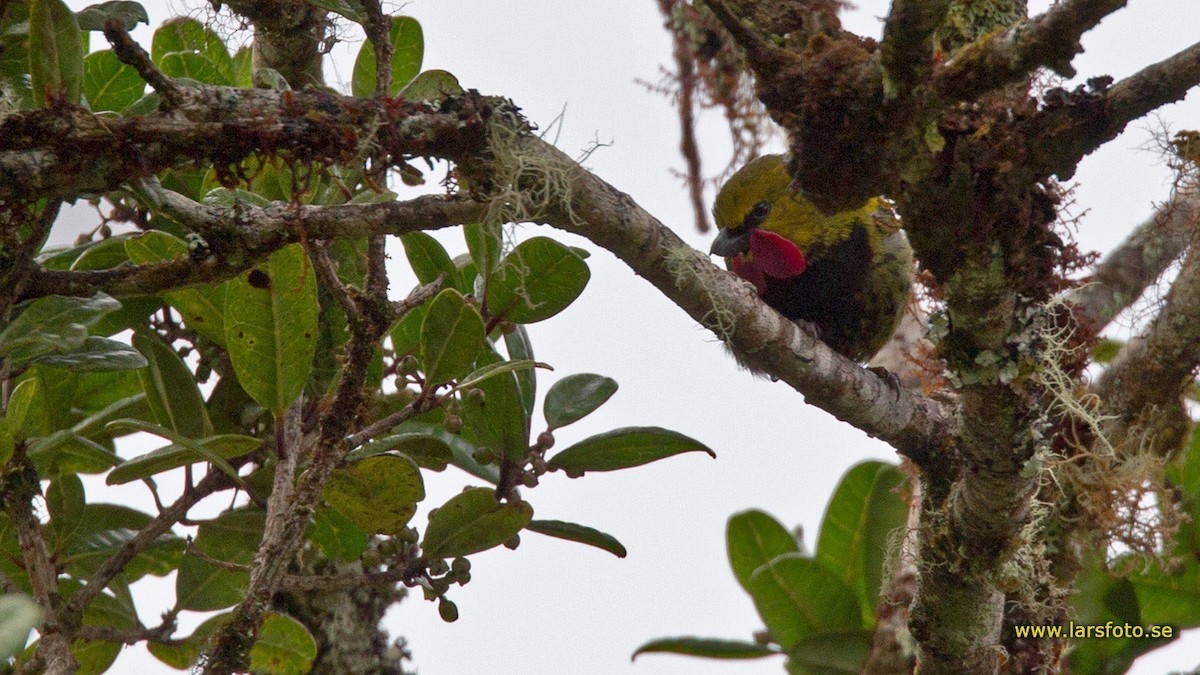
{"points": [[768, 230]]}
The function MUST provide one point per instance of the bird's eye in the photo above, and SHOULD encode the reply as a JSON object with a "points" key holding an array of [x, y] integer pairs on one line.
{"points": [[758, 214]]}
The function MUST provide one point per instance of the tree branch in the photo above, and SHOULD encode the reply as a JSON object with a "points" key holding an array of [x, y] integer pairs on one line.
{"points": [[1050, 39], [20, 486], [1142, 387], [1125, 273], [918, 427], [907, 47], [231, 645], [1066, 131], [254, 232]]}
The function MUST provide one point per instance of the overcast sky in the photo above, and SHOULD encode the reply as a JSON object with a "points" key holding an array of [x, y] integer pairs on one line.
{"points": [[555, 607]]}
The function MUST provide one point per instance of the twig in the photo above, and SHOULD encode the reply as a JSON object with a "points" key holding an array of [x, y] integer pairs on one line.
{"points": [[19, 488], [131, 54], [212, 482]]}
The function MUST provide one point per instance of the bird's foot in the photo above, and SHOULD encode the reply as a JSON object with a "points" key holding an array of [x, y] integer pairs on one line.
{"points": [[892, 379]]}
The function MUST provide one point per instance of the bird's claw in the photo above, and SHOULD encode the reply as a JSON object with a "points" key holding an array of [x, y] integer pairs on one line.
{"points": [[892, 379]]}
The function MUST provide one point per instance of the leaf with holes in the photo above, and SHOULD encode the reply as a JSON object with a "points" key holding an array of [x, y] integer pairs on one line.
{"points": [[271, 327]]}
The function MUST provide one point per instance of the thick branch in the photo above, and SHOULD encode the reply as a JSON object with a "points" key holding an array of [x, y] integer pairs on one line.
{"points": [[231, 646], [1050, 39], [1128, 270], [254, 233], [1067, 131], [919, 427], [67, 151], [288, 37], [1142, 387], [907, 48]]}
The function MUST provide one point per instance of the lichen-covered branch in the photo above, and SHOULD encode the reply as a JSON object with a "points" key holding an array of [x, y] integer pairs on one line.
{"points": [[762, 339], [996, 61], [1072, 128], [288, 38], [907, 49], [251, 233], [20, 487], [1125, 273], [1142, 387]]}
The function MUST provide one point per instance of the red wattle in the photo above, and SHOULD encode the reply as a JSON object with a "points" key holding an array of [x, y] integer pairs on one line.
{"points": [[750, 271], [775, 255]]}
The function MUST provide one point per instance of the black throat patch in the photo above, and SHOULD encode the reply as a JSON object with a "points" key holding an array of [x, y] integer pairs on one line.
{"points": [[831, 293]]}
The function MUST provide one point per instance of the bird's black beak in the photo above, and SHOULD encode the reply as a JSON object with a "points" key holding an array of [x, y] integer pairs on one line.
{"points": [[730, 243]]}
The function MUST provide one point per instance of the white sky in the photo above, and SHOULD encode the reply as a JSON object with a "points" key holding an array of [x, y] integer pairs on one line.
{"points": [[556, 607]]}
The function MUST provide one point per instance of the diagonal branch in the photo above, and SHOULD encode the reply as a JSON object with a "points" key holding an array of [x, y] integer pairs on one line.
{"points": [[917, 426], [1142, 387], [1125, 273], [1050, 39], [1067, 131]]}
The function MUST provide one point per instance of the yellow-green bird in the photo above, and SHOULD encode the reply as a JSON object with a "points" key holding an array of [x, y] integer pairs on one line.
{"points": [[849, 274]]}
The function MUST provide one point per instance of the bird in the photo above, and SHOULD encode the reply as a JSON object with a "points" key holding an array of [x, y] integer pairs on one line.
{"points": [[846, 277]]}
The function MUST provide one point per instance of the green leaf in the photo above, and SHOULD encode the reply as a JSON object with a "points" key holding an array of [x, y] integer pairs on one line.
{"points": [[753, 539], [27, 414], [271, 327], [461, 449], [109, 84], [520, 348], [347, 8], [226, 446], [575, 397], [451, 337], [408, 49], [498, 421], [798, 597], [427, 451], [55, 51], [200, 452], [18, 615], [65, 502], [67, 452], [202, 307], [427, 257], [493, 369], [431, 86], [52, 325], [471, 522], [184, 47], [1106, 349], [379, 494], [284, 647], [622, 449], [484, 242], [130, 14], [336, 535], [1169, 598], [406, 334], [862, 515], [709, 648], [579, 533], [182, 654], [243, 68], [232, 537], [834, 653], [170, 387], [537, 280], [96, 354]]}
